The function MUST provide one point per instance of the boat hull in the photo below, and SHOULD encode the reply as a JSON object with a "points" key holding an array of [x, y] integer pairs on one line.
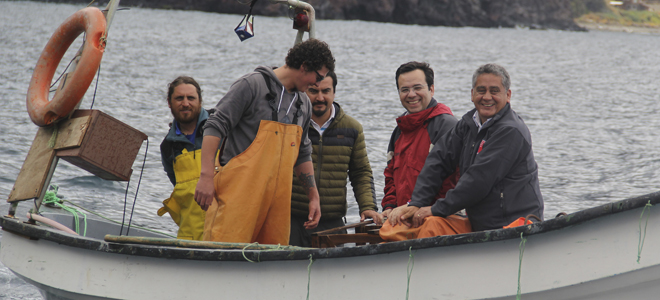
{"points": [[584, 258]]}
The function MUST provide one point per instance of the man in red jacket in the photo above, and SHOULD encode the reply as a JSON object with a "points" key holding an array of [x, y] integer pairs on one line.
{"points": [[423, 123]]}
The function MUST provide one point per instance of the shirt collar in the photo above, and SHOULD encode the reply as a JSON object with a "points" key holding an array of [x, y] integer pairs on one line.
{"points": [[190, 137], [477, 120]]}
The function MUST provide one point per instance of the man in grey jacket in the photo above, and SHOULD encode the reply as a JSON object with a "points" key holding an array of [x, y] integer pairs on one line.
{"points": [[492, 147], [262, 122]]}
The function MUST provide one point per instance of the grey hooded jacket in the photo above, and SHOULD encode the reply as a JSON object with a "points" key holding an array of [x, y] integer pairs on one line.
{"points": [[238, 114]]}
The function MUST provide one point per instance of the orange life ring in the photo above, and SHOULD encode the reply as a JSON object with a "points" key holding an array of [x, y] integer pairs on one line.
{"points": [[43, 112]]}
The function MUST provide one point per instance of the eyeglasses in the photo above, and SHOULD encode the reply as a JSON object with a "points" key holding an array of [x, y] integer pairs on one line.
{"points": [[319, 78], [416, 88]]}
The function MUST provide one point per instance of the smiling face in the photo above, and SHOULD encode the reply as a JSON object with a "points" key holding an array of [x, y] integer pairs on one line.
{"points": [[489, 96], [185, 104], [322, 96], [414, 92]]}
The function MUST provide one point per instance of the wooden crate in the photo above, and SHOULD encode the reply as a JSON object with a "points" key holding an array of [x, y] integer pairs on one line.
{"points": [[108, 149], [91, 140]]}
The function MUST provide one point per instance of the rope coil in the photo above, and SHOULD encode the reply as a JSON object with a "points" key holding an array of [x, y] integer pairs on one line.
{"points": [[51, 198]]}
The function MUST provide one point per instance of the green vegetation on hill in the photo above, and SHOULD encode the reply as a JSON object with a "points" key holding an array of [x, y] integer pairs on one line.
{"points": [[600, 12], [624, 17], [583, 7]]}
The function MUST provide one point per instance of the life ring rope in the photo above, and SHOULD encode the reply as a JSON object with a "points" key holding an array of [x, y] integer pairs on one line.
{"points": [[43, 112], [61, 75]]}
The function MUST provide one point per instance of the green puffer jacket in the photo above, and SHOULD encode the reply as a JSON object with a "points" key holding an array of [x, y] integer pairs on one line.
{"points": [[344, 157]]}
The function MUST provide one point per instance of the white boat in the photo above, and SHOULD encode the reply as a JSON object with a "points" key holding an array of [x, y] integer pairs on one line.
{"points": [[599, 253], [606, 252]]}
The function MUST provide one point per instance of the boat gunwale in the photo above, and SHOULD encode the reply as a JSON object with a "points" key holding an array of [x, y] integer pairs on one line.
{"points": [[189, 253]]}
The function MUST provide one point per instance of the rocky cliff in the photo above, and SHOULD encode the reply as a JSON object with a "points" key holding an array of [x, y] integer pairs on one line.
{"points": [[555, 14]]}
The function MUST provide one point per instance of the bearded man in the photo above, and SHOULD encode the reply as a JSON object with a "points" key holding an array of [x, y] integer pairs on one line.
{"points": [[181, 156], [339, 154]]}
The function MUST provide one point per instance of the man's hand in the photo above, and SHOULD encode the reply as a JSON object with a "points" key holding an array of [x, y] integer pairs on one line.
{"points": [[305, 173], [405, 213], [205, 192], [386, 213], [378, 219], [419, 216], [394, 216], [314, 214]]}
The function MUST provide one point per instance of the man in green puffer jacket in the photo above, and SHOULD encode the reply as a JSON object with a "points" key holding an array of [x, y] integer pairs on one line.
{"points": [[339, 153]]}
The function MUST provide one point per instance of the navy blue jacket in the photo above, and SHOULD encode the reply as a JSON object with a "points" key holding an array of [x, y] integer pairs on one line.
{"points": [[499, 176]]}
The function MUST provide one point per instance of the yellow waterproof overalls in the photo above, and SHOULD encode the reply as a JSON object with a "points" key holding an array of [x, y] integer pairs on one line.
{"points": [[253, 190], [181, 204]]}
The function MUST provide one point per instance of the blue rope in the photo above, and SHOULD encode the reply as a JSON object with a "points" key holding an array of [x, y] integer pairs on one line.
{"points": [[144, 161], [123, 220], [96, 87], [123, 216]]}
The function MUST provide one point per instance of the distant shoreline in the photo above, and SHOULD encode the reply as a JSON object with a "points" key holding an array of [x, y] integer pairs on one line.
{"points": [[618, 28]]}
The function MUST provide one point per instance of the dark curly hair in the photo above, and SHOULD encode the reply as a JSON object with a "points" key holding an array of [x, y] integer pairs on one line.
{"points": [[182, 80], [312, 53], [412, 66]]}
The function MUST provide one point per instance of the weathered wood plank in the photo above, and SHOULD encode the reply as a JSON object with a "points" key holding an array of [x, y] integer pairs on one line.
{"points": [[34, 172], [35, 169], [71, 132]]}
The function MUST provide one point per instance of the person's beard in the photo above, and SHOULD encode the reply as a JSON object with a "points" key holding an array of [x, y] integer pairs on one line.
{"points": [[178, 116], [320, 113]]}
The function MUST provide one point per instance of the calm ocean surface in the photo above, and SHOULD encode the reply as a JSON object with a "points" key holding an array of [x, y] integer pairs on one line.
{"points": [[591, 100]]}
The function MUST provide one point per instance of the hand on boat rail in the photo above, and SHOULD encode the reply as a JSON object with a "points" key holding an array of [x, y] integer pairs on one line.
{"points": [[375, 216]]}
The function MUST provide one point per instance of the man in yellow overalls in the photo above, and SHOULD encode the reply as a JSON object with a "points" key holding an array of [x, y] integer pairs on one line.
{"points": [[262, 122], [181, 156]]}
